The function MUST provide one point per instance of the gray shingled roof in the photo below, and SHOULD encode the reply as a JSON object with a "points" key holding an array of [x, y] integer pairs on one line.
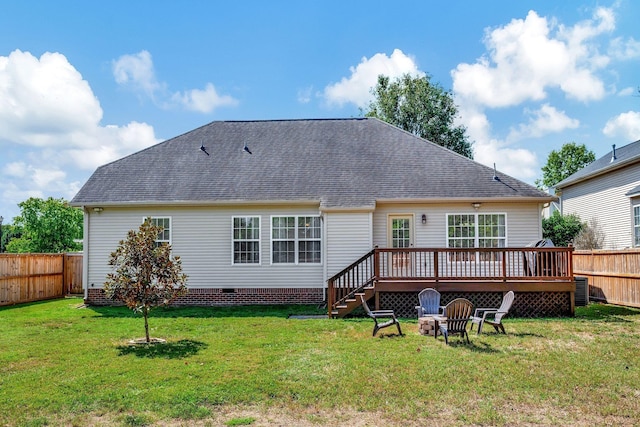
{"points": [[338, 162], [624, 156]]}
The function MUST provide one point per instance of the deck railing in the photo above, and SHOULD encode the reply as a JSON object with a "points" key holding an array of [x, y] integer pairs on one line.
{"points": [[433, 265]]}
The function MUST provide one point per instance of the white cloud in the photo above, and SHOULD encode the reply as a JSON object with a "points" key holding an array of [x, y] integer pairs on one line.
{"points": [[137, 72], [545, 120], [304, 95], [526, 58], [356, 89], [627, 91], [624, 49], [51, 118], [203, 101], [520, 163], [41, 99], [625, 125]]}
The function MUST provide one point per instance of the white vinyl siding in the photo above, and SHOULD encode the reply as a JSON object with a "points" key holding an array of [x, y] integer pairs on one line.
{"points": [[604, 198], [202, 237], [348, 237]]}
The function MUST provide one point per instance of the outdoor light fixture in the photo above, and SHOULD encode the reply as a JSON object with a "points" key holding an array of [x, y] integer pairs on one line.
{"points": [[476, 205], [98, 209], [424, 218]]}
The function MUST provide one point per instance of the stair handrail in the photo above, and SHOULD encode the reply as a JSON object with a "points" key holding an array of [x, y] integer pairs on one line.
{"points": [[362, 282]]}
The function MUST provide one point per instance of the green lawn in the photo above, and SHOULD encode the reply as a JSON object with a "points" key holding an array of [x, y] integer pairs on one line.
{"points": [[61, 364]]}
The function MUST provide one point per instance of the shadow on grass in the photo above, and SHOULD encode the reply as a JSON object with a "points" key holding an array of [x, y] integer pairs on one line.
{"points": [[282, 311], [169, 350], [605, 312]]}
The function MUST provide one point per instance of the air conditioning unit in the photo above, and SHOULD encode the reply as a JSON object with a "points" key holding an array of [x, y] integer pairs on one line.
{"points": [[582, 291]]}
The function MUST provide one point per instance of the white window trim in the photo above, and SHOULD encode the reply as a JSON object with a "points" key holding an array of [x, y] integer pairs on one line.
{"points": [[247, 264], [633, 224], [170, 225], [476, 234], [296, 240]]}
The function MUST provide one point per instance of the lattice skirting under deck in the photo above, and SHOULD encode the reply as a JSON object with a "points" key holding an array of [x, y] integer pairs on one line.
{"points": [[525, 304]]}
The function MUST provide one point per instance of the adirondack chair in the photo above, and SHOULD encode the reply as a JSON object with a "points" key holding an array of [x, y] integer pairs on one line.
{"points": [[380, 314], [429, 300], [458, 313], [480, 316]]}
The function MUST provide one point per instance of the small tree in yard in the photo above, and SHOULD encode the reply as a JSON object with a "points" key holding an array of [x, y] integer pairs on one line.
{"points": [[561, 229], [145, 274]]}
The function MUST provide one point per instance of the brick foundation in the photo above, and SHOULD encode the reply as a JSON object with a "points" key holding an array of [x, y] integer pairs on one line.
{"points": [[224, 297]]}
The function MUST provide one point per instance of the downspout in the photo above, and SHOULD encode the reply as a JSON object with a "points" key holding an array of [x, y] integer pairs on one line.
{"points": [[325, 269], [85, 255]]}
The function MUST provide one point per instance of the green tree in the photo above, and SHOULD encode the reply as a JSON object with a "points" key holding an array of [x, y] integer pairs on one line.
{"points": [[48, 226], [421, 107], [11, 239], [145, 275], [561, 229], [563, 163]]}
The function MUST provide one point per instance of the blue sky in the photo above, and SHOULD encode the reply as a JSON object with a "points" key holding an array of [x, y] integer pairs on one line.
{"points": [[85, 83]]}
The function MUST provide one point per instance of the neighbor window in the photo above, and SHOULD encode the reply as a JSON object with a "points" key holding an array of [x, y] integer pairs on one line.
{"points": [[165, 235], [636, 226], [476, 231], [295, 239], [246, 240]]}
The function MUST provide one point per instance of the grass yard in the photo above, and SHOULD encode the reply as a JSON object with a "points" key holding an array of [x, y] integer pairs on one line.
{"points": [[61, 364]]}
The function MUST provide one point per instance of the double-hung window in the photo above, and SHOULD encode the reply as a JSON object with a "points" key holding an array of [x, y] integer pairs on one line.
{"points": [[636, 225], [246, 240], [475, 231], [296, 240], [164, 236]]}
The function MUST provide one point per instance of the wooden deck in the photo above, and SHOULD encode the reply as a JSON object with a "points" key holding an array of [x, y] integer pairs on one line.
{"points": [[537, 271]]}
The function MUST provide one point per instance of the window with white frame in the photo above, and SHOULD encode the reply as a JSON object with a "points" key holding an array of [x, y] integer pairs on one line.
{"points": [[636, 225], [296, 240], [475, 231], [246, 240], [164, 236]]}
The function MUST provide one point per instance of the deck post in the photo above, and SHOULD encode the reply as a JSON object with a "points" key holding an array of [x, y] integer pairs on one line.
{"points": [[504, 266], [435, 266], [330, 297]]}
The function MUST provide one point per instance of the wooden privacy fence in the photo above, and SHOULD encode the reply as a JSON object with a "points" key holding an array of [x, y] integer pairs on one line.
{"points": [[614, 276], [35, 277]]}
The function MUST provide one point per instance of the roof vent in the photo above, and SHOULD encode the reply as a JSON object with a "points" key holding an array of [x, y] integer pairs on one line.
{"points": [[613, 154]]}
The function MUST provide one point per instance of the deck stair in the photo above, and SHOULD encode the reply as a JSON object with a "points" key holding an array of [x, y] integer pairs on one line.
{"points": [[352, 302]]}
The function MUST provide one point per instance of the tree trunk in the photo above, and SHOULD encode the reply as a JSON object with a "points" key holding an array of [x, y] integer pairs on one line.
{"points": [[145, 312]]}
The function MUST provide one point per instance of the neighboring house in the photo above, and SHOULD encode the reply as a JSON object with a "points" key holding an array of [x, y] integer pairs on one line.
{"points": [[311, 198], [607, 190], [551, 207]]}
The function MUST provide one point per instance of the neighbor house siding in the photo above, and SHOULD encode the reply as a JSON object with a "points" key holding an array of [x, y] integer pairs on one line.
{"points": [[348, 237], [202, 237], [603, 198], [523, 221]]}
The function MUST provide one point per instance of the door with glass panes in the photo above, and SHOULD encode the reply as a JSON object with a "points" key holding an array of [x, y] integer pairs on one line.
{"points": [[400, 236]]}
